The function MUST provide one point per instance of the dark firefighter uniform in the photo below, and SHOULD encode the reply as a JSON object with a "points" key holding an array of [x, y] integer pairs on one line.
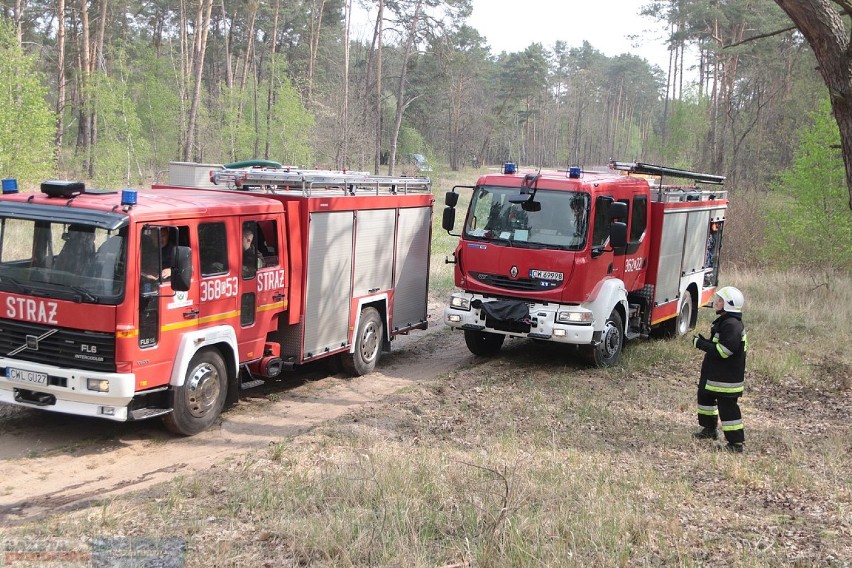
{"points": [[723, 376]]}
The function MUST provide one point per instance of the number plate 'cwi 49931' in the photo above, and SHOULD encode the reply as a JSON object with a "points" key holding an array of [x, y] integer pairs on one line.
{"points": [[28, 377]]}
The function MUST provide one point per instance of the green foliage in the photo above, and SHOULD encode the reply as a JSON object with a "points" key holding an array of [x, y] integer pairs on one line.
{"points": [[27, 125], [811, 226], [291, 126], [121, 153], [158, 106], [686, 127]]}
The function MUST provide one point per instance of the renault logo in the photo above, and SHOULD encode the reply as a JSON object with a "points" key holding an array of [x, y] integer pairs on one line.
{"points": [[513, 272], [31, 342]]}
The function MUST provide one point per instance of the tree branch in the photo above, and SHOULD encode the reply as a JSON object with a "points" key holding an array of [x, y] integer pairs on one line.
{"points": [[761, 36]]}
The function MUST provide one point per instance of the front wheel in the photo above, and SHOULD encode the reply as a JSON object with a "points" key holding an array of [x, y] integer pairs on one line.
{"points": [[608, 351], [198, 402], [483, 343], [368, 344]]}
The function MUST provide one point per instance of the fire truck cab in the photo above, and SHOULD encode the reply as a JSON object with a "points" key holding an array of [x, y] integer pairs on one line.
{"points": [[584, 258]]}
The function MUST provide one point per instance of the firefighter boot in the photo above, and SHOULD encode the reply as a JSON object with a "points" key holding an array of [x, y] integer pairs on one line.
{"points": [[706, 434], [733, 448]]}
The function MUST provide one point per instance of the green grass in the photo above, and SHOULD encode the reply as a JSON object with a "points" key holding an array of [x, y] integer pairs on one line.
{"points": [[534, 459]]}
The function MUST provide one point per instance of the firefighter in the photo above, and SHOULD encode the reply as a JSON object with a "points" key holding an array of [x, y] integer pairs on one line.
{"points": [[723, 371]]}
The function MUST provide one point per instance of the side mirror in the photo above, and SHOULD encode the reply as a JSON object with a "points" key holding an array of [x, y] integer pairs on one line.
{"points": [[182, 269], [531, 206], [618, 210], [618, 234], [449, 219], [452, 198]]}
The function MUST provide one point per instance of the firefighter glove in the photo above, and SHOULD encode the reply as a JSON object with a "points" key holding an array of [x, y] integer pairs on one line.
{"points": [[701, 342]]}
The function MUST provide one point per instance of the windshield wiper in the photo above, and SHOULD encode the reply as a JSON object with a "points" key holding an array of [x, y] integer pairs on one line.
{"points": [[14, 283], [85, 293]]}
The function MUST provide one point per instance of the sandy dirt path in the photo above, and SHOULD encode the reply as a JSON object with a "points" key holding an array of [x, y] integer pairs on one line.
{"points": [[52, 461]]}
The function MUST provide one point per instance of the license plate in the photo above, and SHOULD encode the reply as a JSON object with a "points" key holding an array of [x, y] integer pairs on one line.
{"points": [[28, 377]]}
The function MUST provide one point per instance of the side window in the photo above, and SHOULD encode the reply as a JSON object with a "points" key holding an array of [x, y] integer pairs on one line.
{"points": [[266, 241], [213, 248], [251, 258], [600, 233], [639, 221]]}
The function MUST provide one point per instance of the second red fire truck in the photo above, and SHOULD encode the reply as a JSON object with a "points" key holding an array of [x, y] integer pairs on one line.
{"points": [[582, 258], [164, 302]]}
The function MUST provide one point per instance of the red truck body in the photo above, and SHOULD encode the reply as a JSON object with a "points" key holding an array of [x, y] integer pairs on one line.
{"points": [[537, 258], [337, 265]]}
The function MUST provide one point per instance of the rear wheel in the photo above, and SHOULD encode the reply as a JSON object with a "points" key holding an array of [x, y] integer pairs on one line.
{"points": [[483, 343], [680, 325], [198, 402], [368, 344], [608, 351]]}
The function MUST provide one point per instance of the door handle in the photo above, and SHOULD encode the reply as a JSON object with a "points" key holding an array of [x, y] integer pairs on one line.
{"points": [[277, 297], [190, 314]]}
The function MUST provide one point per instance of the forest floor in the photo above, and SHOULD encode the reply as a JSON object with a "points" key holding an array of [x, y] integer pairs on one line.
{"points": [[440, 458]]}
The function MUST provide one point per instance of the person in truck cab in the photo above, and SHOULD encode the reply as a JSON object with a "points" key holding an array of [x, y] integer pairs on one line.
{"points": [[78, 252], [723, 371], [251, 258]]}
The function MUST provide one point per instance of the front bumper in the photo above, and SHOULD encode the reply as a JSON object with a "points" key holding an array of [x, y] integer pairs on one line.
{"points": [[543, 324], [66, 390]]}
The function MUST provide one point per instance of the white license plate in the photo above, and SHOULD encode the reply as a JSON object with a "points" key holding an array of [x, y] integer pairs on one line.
{"points": [[28, 377]]}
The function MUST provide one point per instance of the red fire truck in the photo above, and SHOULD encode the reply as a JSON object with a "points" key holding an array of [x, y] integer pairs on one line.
{"points": [[165, 302], [583, 258]]}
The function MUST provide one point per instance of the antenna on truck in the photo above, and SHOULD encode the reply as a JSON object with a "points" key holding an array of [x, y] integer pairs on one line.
{"points": [[652, 170]]}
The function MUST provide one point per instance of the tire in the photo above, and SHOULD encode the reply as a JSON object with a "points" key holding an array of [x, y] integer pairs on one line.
{"points": [[199, 401], [608, 351], [680, 325], [368, 344], [483, 343]]}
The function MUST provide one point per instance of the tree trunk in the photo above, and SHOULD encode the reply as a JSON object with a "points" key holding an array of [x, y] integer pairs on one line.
{"points": [[84, 134], [401, 104], [60, 81], [316, 27], [270, 95], [379, 30], [343, 153], [825, 30], [200, 44]]}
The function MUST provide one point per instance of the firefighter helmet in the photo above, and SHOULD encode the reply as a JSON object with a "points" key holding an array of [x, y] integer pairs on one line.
{"points": [[732, 299]]}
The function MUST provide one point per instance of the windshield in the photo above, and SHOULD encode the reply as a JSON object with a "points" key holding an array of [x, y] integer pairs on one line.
{"points": [[75, 262], [561, 222]]}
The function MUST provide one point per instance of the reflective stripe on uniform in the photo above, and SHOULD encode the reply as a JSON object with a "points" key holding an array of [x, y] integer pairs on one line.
{"points": [[729, 425], [708, 410], [723, 351], [728, 388], [745, 341]]}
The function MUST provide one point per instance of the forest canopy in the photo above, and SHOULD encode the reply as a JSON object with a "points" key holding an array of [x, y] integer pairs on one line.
{"points": [[112, 91]]}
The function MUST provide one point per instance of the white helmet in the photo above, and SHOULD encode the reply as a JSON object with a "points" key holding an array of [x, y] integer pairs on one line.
{"points": [[732, 298]]}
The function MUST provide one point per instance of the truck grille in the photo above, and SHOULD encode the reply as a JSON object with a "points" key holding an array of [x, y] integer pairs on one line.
{"points": [[70, 348], [523, 284]]}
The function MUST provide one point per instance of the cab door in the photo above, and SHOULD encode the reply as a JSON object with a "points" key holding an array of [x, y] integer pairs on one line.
{"points": [[263, 288], [164, 314], [635, 259], [219, 271]]}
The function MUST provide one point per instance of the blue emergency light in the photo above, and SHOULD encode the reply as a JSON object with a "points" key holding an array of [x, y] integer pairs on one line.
{"points": [[128, 197], [510, 168], [574, 172], [10, 185]]}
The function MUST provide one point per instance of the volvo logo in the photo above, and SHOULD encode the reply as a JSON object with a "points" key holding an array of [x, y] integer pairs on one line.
{"points": [[31, 342], [513, 272]]}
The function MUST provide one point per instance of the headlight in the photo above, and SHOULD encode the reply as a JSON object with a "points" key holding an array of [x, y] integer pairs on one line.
{"points": [[460, 303], [97, 385], [583, 317]]}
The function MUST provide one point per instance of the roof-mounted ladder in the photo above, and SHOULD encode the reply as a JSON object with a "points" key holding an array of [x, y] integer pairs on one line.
{"points": [[652, 170], [290, 179]]}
